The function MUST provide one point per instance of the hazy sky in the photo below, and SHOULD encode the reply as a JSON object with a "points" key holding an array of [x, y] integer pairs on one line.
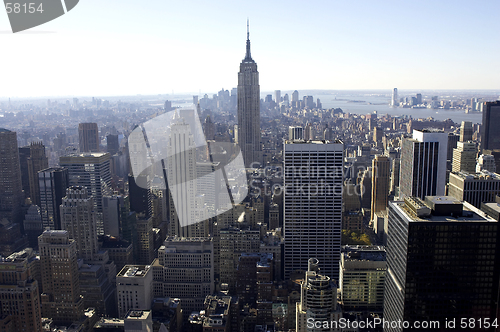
{"points": [[122, 47]]}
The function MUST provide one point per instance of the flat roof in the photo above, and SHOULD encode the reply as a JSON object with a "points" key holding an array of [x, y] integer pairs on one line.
{"points": [[134, 271], [471, 214]]}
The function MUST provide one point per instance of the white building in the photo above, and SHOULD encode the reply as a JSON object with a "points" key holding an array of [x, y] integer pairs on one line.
{"points": [[134, 287], [423, 164], [486, 163], [313, 177], [138, 321]]}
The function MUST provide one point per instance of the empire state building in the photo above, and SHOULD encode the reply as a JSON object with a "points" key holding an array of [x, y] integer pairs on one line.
{"points": [[249, 109]]}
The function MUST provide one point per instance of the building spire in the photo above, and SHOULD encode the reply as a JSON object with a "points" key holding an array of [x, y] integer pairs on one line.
{"points": [[248, 56]]}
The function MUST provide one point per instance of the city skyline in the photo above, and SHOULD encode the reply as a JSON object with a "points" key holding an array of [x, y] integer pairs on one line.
{"points": [[171, 47]]}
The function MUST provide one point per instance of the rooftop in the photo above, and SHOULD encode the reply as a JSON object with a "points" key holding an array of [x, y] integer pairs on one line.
{"points": [[134, 271], [137, 314], [437, 210], [364, 253], [483, 175], [336, 141]]}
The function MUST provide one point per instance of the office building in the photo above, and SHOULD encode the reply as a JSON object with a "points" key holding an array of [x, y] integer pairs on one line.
{"points": [[490, 136], [394, 99], [249, 109], [277, 96], [24, 154], [452, 144], [138, 321], [423, 164], [36, 162], [88, 135], [53, 183], [140, 194], [486, 163], [119, 251], [145, 250], [362, 278], [11, 195], [11, 238], [464, 157], [185, 203], [442, 262], [295, 133], [474, 188], [97, 290], [466, 131], [313, 179], [92, 171], [61, 299], [78, 218], [33, 225], [185, 270], [112, 144], [318, 299], [134, 288], [381, 174], [20, 293]]}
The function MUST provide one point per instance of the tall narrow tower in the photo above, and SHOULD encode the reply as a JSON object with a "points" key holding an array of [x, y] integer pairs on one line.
{"points": [[313, 204], [249, 109], [11, 194], [36, 162]]}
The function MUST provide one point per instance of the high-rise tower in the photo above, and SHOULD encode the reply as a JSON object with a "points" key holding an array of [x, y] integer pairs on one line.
{"points": [[490, 139], [88, 135], [79, 219], [442, 262], [61, 299], [11, 195], [423, 164], [36, 162], [52, 183], [249, 109], [381, 168], [313, 204]]}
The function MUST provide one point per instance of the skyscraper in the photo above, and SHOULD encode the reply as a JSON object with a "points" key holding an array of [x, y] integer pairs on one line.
{"points": [[182, 175], [92, 171], [36, 162], [490, 136], [179, 258], [423, 164], [277, 96], [113, 145], [19, 293], [313, 204], [381, 173], [52, 183], [88, 135], [11, 195], [466, 131], [61, 299], [442, 262], [249, 109], [79, 219], [464, 157], [394, 100]]}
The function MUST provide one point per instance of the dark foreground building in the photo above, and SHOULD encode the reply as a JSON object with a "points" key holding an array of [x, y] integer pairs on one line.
{"points": [[442, 262]]}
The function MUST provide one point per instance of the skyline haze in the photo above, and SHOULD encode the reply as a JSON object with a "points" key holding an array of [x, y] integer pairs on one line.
{"points": [[105, 49]]}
